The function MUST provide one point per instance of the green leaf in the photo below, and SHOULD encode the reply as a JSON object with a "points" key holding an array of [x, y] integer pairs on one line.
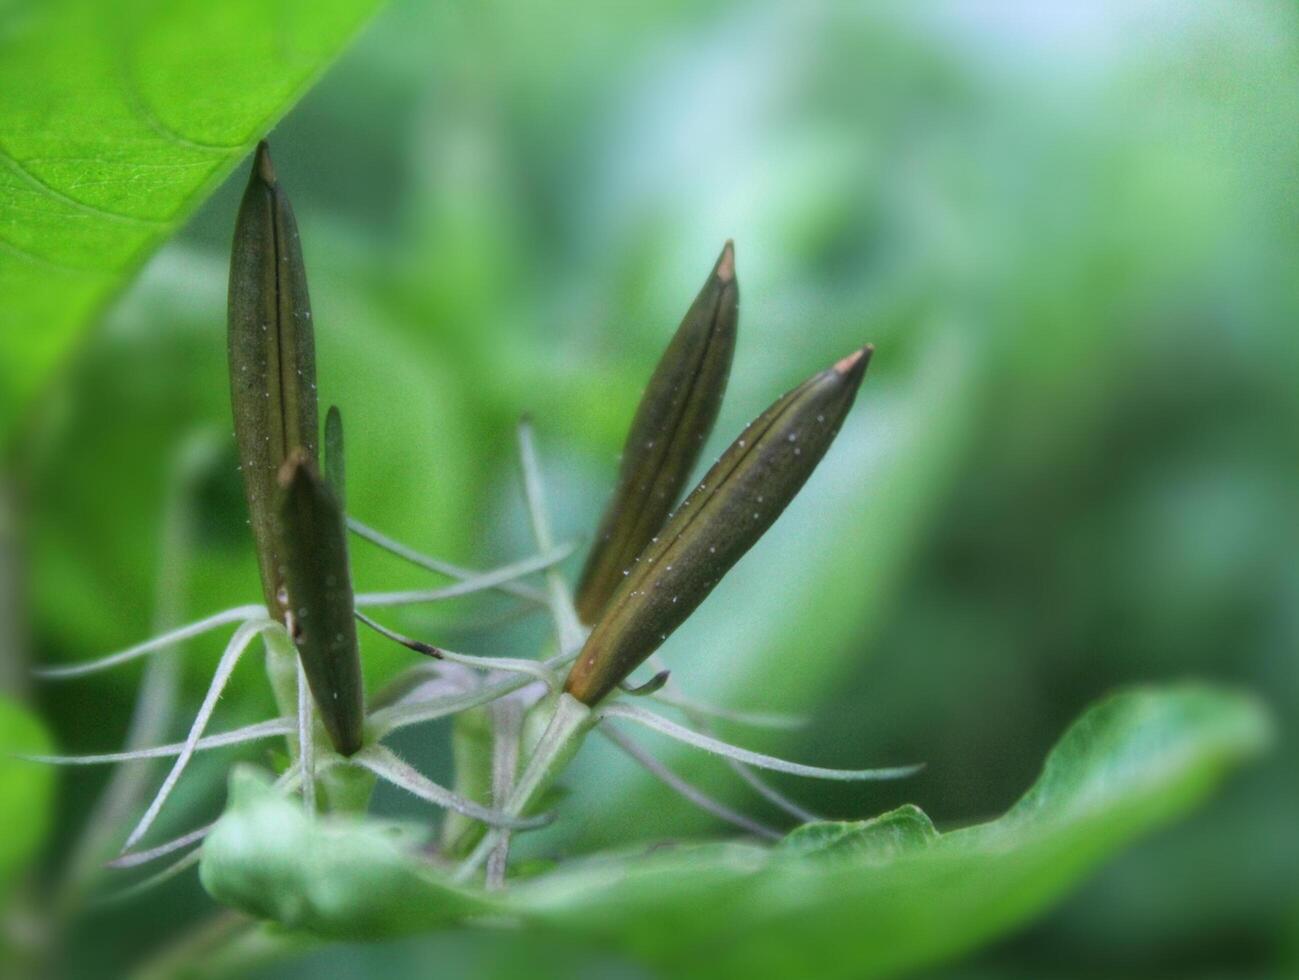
{"points": [[877, 898], [26, 791], [905, 829], [119, 120], [339, 877], [853, 899]]}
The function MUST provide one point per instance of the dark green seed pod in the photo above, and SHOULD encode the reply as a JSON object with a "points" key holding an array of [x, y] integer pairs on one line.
{"points": [[675, 416], [742, 495], [311, 539], [272, 357], [335, 465]]}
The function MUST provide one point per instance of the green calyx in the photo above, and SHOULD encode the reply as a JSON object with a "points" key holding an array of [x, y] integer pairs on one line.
{"points": [[735, 503], [272, 355], [674, 418]]}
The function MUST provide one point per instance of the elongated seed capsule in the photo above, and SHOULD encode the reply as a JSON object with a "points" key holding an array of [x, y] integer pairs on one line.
{"points": [[744, 492], [674, 418], [311, 539], [272, 356]]}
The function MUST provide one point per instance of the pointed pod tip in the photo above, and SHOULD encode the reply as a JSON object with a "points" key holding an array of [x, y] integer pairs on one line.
{"points": [[855, 363], [725, 268], [262, 165]]}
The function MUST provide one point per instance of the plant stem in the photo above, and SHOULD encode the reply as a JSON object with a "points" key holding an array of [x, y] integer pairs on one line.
{"points": [[563, 737], [507, 729], [306, 741], [282, 672], [346, 788]]}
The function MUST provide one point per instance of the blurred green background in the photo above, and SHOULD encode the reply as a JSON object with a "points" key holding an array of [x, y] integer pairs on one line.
{"points": [[1070, 230]]}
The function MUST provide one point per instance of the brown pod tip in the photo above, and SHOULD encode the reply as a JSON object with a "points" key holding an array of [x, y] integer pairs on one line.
{"points": [[262, 165], [724, 270], [855, 363]]}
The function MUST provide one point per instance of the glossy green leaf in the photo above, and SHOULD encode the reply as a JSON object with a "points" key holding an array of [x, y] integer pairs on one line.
{"points": [[887, 895], [854, 899], [26, 790], [889, 835], [341, 876], [119, 120]]}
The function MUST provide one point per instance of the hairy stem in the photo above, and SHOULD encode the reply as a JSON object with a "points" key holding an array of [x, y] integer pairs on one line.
{"points": [[507, 730], [560, 742]]}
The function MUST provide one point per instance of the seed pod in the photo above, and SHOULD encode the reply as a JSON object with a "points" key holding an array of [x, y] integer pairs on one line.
{"points": [[272, 357], [335, 465], [675, 416], [744, 492], [311, 539]]}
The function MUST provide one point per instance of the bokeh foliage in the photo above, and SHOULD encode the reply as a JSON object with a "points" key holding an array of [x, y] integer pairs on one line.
{"points": [[1068, 231]]}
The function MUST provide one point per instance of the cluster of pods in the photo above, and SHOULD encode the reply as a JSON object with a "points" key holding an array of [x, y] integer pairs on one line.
{"points": [[654, 559]]}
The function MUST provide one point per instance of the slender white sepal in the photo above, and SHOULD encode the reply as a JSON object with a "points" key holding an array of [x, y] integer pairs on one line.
{"points": [[717, 747], [690, 793], [507, 733], [287, 781], [153, 881], [560, 742], [229, 659], [754, 719], [568, 626], [772, 795], [306, 741], [407, 713], [134, 859], [386, 765], [238, 736], [511, 665], [393, 546], [747, 774], [236, 615], [480, 583]]}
